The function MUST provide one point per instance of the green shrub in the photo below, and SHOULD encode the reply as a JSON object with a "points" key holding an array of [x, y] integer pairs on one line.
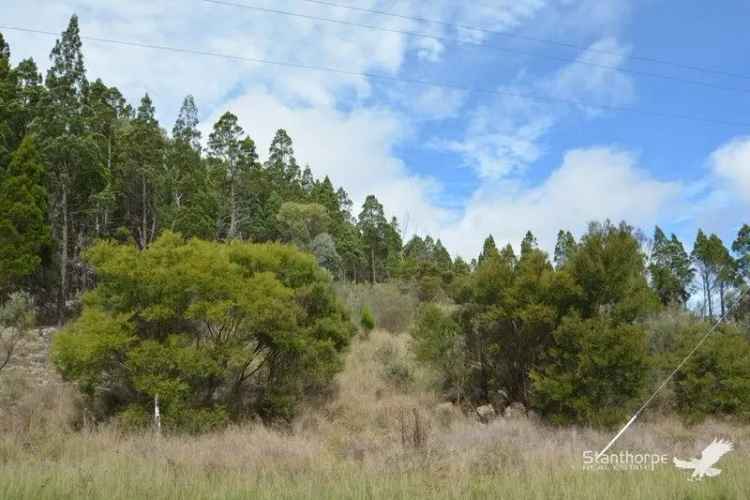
{"points": [[429, 288], [217, 331], [439, 344], [593, 374], [367, 321], [715, 381]]}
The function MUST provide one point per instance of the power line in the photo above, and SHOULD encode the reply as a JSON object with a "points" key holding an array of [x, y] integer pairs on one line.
{"points": [[475, 46], [376, 76], [489, 31], [674, 372]]}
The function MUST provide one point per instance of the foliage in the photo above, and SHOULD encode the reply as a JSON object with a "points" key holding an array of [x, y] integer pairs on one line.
{"points": [[670, 268], [366, 320], [23, 204], [715, 381], [438, 343], [236, 330], [16, 319], [593, 374]]}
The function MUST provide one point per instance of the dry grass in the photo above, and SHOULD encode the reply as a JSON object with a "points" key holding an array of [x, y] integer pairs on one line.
{"points": [[361, 446]]}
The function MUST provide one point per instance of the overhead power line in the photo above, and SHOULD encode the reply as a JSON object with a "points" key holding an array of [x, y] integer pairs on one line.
{"points": [[376, 76], [489, 31], [475, 46]]}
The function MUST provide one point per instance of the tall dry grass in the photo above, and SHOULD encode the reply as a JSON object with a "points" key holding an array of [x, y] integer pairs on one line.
{"points": [[383, 435]]}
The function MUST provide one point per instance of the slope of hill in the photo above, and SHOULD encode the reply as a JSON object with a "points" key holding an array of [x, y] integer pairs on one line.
{"points": [[383, 434]]}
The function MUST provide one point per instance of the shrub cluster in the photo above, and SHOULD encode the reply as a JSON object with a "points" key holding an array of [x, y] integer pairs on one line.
{"points": [[217, 331]]}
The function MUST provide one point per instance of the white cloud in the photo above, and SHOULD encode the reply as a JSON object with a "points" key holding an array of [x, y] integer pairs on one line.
{"points": [[731, 164], [591, 184], [595, 83], [502, 138], [505, 135]]}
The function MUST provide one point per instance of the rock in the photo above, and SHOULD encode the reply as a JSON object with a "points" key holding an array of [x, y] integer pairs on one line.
{"points": [[486, 413], [515, 410]]}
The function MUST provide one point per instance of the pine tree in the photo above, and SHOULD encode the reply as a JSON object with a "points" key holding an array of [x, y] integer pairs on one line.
{"points": [[23, 213]]}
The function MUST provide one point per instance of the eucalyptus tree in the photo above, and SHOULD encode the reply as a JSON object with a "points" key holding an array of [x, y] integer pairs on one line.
{"points": [[234, 155], [75, 170]]}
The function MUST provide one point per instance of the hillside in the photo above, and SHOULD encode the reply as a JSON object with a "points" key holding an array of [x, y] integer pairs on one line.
{"points": [[382, 435]]}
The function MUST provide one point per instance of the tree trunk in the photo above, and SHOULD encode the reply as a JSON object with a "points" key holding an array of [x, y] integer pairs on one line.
{"points": [[372, 263], [232, 233], [62, 295], [709, 298], [144, 214], [721, 298]]}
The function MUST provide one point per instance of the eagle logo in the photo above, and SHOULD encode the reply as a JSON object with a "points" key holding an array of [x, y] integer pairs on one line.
{"points": [[704, 466]]}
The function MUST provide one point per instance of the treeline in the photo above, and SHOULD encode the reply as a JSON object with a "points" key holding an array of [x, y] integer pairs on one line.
{"points": [[78, 164]]}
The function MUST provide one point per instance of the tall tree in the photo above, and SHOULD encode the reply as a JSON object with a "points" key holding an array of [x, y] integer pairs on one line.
{"points": [[143, 164], [23, 216], [741, 248], [670, 269], [191, 205], [108, 115], [234, 154], [564, 248], [71, 152], [489, 249], [716, 269], [529, 243], [373, 226], [283, 165]]}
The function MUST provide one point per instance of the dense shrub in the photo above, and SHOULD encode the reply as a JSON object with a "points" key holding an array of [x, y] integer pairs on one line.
{"points": [[217, 331], [438, 343], [715, 381], [594, 372]]}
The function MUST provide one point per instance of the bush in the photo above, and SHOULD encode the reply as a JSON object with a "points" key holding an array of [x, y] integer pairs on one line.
{"points": [[438, 343], [367, 321], [715, 381], [217, 331], [593, 374]]}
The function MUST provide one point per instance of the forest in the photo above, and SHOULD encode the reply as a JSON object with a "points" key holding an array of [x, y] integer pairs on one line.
{"points": [[205, 273]]}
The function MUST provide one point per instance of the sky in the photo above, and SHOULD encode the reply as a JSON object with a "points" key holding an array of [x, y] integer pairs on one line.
{"points": [[514, 134]]}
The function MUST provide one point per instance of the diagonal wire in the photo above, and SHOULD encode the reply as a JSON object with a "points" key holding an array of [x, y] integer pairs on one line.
{"points": [[489, 31], [674, 372], [375, 76], [475, 46]]}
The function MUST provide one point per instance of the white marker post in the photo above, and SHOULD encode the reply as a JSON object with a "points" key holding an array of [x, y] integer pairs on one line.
{"points": [[157, 415]]}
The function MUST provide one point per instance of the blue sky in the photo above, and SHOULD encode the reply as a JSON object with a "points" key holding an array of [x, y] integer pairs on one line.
{"points": [[454, 163]]}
